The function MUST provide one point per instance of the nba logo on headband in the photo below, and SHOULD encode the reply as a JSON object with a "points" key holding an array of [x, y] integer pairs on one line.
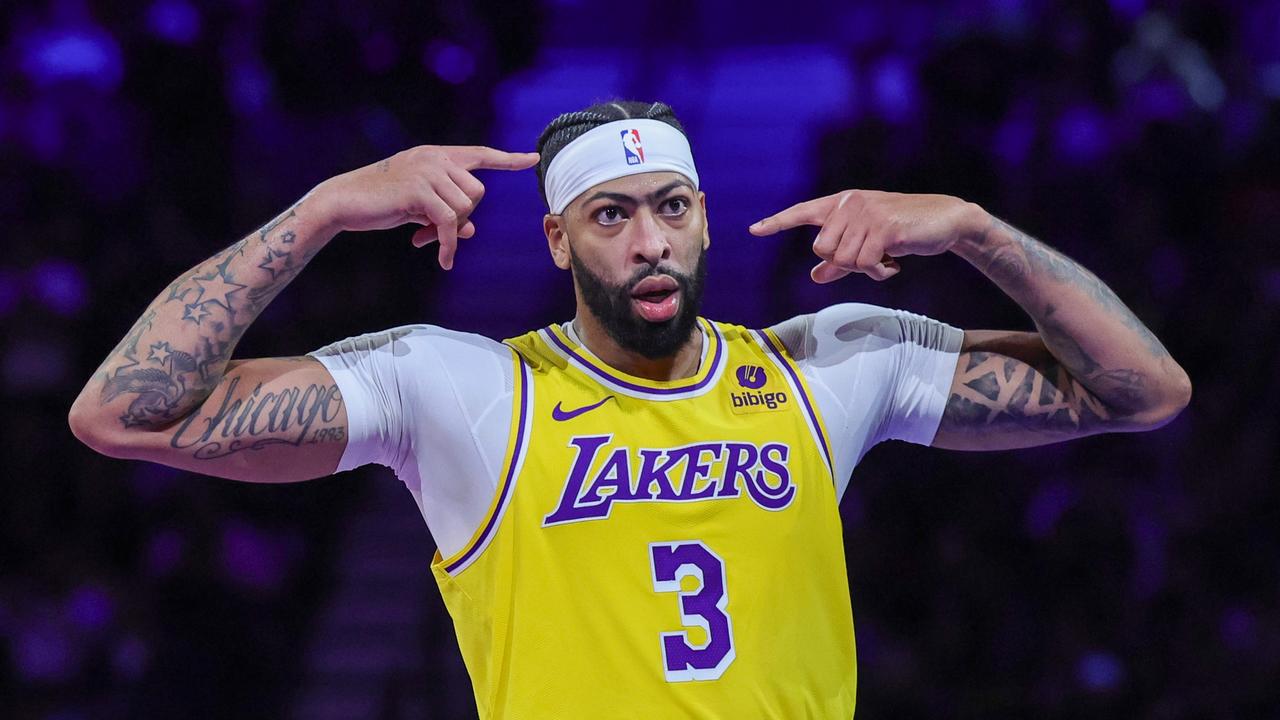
{"points": [[631, 146], [592, 158]]}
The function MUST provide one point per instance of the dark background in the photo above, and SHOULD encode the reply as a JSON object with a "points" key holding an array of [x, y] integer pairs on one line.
{"points": [[1124, 576]]}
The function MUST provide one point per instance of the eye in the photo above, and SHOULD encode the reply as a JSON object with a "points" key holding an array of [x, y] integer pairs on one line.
{"points": [[675, 206], [610, 215]]}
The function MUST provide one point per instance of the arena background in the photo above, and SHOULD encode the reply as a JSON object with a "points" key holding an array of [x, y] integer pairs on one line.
{"points": [[1118, 576]]}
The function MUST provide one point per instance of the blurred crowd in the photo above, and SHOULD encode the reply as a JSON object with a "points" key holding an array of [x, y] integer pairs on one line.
{"points": [[1128, 576]]}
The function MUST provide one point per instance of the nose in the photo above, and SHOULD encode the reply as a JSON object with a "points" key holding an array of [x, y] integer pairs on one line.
{"points": [[649, 243]]}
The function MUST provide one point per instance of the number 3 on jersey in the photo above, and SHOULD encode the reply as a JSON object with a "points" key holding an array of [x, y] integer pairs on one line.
{"points": [[703, 607]]}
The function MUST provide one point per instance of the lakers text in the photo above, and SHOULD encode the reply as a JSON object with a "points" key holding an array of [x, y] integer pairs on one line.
{"points": [[602, 476]]}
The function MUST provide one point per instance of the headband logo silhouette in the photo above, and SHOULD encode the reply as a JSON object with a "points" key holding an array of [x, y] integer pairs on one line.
{"points": [[631, 146]]}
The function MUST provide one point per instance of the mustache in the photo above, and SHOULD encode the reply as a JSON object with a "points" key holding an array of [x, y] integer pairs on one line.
{"points": [[652, 270]]}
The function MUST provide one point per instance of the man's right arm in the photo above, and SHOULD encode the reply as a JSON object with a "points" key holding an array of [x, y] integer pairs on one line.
{"points": [[170, 393]]}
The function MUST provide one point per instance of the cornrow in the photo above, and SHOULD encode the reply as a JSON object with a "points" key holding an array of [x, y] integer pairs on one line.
{"points": [[566, 128]]}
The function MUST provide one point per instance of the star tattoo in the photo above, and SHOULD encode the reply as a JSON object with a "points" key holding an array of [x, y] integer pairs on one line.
{"points": [[194, 313], [217, 289], [160, 352], [277, 263], [287, 237]]}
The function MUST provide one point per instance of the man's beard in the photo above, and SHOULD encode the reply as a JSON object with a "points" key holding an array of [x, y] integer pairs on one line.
{"points": [[611, 304]]}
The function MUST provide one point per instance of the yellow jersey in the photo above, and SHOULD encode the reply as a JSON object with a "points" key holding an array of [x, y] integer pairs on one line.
{"points": [[658, 549]]}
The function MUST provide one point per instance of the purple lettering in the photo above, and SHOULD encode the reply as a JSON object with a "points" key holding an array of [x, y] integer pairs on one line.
{"points": [[768, 496], [568, 510], [696, 469], [615, 474], [741, 459], [651, 473]]}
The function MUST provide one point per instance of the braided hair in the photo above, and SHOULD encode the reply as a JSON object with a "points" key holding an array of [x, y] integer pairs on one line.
{"points": [[568, 127]]}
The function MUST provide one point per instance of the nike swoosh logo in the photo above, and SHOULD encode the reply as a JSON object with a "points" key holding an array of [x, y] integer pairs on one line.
{"points": [[557, 413]]}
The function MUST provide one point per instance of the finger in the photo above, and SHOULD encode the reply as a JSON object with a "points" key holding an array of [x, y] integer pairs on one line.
{"points": [[426, 234], [469, 185], [828, 238], [453, 196], [810, 212], [885, 269], [446, 222], [471, 157], [851, 242], [824, 272], [870, 253]]}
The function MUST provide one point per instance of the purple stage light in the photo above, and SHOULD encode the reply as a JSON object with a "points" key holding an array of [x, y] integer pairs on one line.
{"points": [[894, 92], [79, 53], [174, 20], [60, 286], [1129, 9], [1081, 135], [1239, 629], [1100, 672], [90, 608], [249, 88], [44, 653], [451, 62]]}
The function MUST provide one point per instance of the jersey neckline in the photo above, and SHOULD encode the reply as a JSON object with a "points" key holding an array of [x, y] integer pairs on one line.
{"points": [[699, 383]]}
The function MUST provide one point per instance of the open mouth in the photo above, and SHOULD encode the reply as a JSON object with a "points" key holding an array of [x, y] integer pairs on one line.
{"points": [[656, 298]]}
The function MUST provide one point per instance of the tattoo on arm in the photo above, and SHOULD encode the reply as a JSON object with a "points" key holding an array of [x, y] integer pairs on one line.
{"points": [[1123, 391], [287, 416], [168, 375], [1027, 256], [996, 392]]}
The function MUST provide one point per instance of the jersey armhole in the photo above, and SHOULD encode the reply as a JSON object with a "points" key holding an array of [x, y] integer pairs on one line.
{"points": [[775, 351], [517, 445]]}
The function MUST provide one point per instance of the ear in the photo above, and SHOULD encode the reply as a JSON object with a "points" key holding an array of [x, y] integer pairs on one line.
{"points": [[706, 227], [557, 239]]}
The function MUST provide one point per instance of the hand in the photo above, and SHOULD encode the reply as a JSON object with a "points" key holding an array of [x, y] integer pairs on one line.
{"points": [[430, 185], [864, 230]]}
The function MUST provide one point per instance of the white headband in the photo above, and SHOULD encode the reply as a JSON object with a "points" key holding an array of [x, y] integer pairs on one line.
{"points": [[614, 150]]}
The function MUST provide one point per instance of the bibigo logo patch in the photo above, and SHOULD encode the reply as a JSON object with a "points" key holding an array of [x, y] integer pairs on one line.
{"points": [[754, 399]]}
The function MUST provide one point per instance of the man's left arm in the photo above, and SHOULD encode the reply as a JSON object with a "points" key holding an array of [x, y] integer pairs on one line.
{"points": [[1092, 367]]}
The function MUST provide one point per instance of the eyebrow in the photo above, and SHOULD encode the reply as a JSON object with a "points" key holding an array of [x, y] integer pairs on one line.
{"points": [[655, 195]]}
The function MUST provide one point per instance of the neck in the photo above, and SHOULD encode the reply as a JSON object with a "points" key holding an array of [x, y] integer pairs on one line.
{"points": [[682, 364]]}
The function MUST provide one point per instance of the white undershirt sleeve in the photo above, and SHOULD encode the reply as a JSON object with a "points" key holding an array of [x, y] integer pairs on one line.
{"points": [[434, 405], [876, 374]]}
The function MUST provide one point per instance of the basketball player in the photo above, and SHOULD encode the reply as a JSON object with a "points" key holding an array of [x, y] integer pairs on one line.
{"points": [[635, 510]]}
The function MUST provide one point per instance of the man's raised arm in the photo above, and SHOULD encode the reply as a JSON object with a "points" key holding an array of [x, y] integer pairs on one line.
{"points": [[169, 391], [1093, 366]]}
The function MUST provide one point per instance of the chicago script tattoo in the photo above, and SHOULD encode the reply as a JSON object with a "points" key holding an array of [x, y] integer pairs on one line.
{"points": [[251, 422]]}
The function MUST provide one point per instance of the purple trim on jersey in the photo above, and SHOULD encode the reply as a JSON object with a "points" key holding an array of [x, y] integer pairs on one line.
{"points": [[607, 375], [507, 482], [808, 407]]}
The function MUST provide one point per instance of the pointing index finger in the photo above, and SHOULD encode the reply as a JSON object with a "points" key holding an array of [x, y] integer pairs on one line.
{"points": [[810, 212], [478, 156]]}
